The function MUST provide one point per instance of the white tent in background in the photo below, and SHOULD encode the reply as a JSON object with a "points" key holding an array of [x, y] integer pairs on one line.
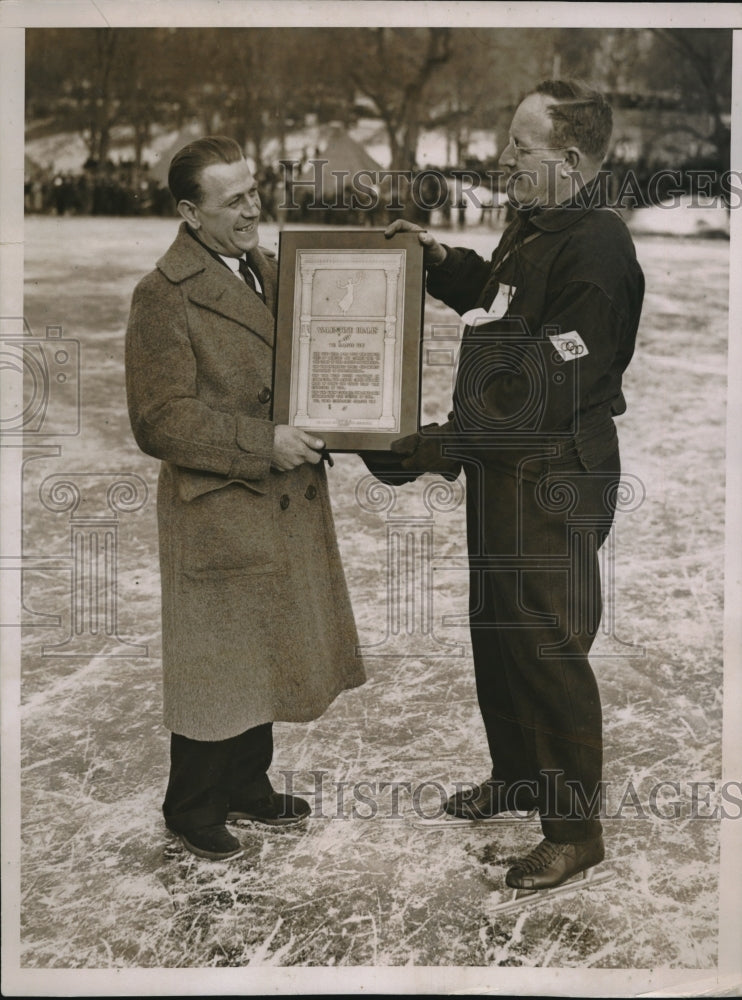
{"points": [[341, 151], [342, 154]]}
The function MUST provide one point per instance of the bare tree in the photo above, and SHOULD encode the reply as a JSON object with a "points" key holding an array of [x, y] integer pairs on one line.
{"points": [[702, 64], [100, 78], [78, 67], [393, 68], [259, 83]]}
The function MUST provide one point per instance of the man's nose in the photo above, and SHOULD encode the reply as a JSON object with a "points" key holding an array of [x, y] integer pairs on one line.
{"points": [[507, 157], [251, 205]]}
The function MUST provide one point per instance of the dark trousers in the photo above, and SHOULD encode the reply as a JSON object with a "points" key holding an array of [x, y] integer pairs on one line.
{"points": [[535, 607], [208, 778]]}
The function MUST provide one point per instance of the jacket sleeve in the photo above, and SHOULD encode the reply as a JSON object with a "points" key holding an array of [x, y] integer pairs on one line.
{"points": [[512, 379], [460, 279], [168, 419]]}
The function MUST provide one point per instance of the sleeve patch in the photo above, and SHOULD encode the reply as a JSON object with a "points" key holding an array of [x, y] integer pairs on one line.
{"points": [[569, 346]]}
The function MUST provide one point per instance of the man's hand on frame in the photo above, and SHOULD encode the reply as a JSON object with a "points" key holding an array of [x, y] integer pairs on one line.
{"points": [[293, 447], [423, 452], [433, 252]]}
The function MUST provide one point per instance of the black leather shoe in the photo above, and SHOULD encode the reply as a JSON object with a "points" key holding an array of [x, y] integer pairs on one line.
{"points": [[213, 842], [483, 802], [551, 864], [273, 810]]}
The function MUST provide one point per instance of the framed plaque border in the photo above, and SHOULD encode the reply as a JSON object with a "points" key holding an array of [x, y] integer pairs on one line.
{"points": [[407, 387]]}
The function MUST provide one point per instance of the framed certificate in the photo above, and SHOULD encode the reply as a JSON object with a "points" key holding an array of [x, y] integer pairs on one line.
{"points": [[348, 335]]}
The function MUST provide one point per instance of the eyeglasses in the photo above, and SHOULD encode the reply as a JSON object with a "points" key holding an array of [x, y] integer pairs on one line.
{"points": [[530, 149]]}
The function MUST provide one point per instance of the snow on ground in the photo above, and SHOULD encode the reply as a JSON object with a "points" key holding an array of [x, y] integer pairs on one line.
{"points": [[67, 151], [105, 886], [684, 215]]}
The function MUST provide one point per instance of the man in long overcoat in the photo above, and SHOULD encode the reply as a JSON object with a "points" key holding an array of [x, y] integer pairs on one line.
{"points": [[256, 620]]}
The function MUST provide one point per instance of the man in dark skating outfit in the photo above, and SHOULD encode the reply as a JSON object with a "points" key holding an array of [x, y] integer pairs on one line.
{"points": [[552, 321]]}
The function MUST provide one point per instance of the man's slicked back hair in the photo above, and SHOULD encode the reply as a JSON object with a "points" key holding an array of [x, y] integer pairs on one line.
{"points": [[184, 175], [581, 116]]}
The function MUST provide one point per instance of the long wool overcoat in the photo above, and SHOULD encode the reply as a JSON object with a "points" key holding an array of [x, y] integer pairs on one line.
{"points": [[256, 619]]}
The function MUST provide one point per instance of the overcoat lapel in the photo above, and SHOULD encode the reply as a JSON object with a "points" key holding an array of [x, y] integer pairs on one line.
{"points": [[267, 270], [215, 287], [218, 289]]}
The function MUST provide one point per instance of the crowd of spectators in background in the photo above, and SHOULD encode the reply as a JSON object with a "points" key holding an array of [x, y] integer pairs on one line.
{"points": [[117, 189], [121, 189]]}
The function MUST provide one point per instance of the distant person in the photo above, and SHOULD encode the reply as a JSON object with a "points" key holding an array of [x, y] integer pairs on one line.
{"points": [[257, 625], [553, 320], [461, 211]]}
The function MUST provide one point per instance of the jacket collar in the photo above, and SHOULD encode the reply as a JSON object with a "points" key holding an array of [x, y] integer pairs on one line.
{"points": [[552, 220], [587, 198], [215, 287]]}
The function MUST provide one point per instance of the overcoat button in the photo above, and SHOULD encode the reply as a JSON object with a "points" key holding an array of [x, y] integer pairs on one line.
{"points": [[265, 395], [285, 501], [311, 492]]}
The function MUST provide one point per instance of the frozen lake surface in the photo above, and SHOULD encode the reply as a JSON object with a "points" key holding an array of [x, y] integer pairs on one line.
{"points": [[105, 886]]}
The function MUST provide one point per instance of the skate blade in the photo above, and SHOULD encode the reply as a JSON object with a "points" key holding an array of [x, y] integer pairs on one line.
{"points": [[447, 822], [526, 898]]}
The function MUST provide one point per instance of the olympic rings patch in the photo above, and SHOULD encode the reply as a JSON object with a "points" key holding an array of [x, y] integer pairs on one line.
{"points": [[569, 346]]}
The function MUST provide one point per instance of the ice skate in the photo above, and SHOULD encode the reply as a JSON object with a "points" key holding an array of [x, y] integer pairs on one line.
{"points": [[520, 899], [446, 821], [554, 869]]}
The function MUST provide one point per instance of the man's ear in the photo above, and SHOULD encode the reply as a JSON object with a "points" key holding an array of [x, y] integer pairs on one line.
{"points": [[187, 210], [572, 158]]}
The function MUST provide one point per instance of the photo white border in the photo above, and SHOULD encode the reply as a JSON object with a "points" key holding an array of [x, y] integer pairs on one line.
{"points": [[16, 15]]}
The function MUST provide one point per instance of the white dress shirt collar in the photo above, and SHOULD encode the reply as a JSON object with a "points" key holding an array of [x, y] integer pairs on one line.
{"points": [[233, 264]]}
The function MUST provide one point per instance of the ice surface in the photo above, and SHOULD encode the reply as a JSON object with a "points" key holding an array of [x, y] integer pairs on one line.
{"points": [[104, 885]]}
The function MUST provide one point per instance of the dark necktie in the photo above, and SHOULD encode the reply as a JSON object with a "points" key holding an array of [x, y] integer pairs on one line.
{"points": [[249, 277]]}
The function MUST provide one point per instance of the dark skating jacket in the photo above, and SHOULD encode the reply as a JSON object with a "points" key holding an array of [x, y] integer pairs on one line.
{"points": [[526, 384]]}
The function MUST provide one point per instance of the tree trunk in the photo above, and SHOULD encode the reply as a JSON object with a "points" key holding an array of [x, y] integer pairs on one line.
{"points": [[408, 148], [394, 146], [102, 114], [141, 135]]}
